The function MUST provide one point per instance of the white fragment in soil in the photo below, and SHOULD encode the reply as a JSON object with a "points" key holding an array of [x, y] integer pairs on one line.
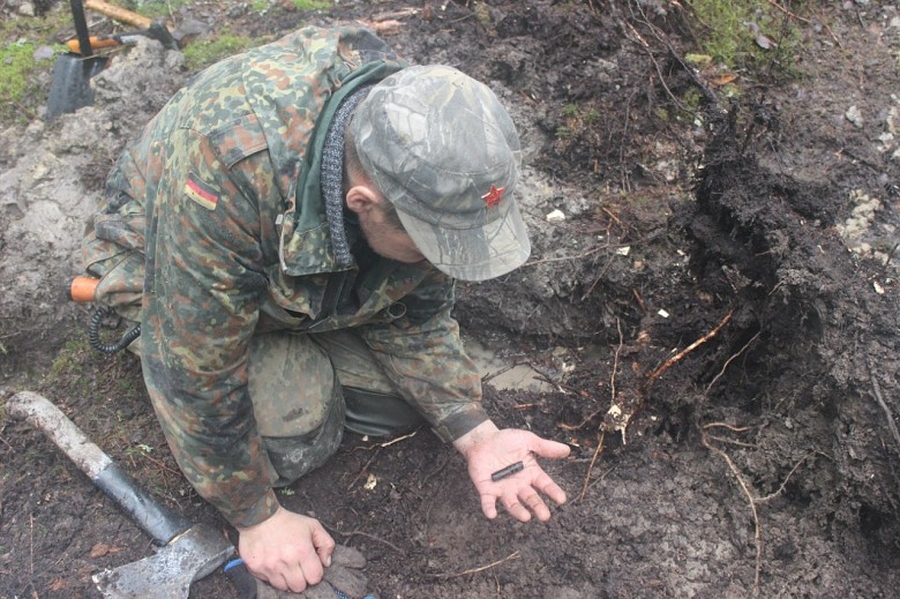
{"points": [[854, 116], [557, 216], [371, 482], [624, 251], [663, 313], [878, 288], [861, 218]]}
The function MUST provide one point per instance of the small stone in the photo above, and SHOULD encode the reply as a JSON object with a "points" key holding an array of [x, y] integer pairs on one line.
{"points": [[557, 216], [854, 116]]}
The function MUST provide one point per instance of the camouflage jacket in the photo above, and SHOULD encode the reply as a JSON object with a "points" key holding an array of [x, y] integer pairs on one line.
{"points": [[236, 236]]}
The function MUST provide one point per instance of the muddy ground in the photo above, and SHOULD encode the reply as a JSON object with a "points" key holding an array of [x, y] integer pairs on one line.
{"points": [[715, 321]]}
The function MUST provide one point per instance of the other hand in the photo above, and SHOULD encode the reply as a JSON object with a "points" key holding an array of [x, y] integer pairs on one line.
{"points": [[488, 449], [289, 551]]}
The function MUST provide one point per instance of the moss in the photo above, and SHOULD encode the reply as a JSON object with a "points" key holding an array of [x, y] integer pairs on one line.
{"points": [[749, 35], [304, 5], [20, 90]]}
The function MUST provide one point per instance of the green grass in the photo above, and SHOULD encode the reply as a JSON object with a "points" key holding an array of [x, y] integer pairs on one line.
{"points": [[749, 35]]}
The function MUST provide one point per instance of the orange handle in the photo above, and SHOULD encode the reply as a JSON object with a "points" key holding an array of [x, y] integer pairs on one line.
{"points": [[82, 289], [96, 42]]}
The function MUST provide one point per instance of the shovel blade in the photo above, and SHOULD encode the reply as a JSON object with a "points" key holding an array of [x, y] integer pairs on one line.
{"points": [[169, 573], [70, 87]]}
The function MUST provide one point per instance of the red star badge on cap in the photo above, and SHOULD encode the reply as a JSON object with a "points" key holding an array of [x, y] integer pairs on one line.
{"points": [[492, 198]]}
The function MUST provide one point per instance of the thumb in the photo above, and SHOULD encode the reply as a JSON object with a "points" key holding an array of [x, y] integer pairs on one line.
{"points": [[549, 449], [323, 543]]}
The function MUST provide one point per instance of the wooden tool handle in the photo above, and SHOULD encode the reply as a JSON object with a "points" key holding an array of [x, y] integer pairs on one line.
{"points": [[153, 517], [117, 13]]}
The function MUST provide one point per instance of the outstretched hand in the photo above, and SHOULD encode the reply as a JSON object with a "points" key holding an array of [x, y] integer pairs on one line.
{"points": [[289, 551], [488, 449]]}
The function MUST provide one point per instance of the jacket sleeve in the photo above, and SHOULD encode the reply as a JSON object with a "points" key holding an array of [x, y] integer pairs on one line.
{"points": [[423, 355], [202, 291]]}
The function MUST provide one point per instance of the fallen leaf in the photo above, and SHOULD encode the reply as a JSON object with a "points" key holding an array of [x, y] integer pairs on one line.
{"points": [[101, 549], [723, 79]]}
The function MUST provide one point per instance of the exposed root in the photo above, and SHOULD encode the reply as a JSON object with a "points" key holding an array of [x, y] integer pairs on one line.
{"points": [[876, 389], [757, 534], [680, 355], [730, 360], [786, 479], [752, 500], [511, 556], [587, 477]]}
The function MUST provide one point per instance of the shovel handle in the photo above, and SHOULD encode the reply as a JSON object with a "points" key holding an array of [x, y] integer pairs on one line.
{"points": [[117, 13], [154, 518]]}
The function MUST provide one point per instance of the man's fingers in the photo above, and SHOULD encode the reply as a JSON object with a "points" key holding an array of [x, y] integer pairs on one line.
{"points": [[548, 487], [550, 449], [295, 580], [324, 544], [537, 506], [489, 506], [516, 509]]}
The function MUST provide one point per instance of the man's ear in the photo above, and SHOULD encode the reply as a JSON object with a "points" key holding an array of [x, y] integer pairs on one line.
{"points": [[362, 198]]}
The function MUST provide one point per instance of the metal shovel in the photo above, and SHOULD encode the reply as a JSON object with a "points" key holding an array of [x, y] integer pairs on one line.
{"points": [[188, 551], [70, 87]]}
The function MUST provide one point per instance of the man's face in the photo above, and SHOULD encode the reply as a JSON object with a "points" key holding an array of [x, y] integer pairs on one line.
{"points": [[386, 239]]}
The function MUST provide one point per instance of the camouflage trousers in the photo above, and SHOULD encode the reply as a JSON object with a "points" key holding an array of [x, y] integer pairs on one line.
{"points": [[306, 388]]}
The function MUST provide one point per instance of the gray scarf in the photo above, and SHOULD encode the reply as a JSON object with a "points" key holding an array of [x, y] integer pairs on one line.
{"points": [[332, 177]]}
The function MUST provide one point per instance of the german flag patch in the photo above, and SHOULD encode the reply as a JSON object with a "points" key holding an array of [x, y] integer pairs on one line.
{"points": [[201, 193]]}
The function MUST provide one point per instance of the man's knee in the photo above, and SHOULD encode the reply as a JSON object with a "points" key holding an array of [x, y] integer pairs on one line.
{"points": [[297, 402], [295, 456]]}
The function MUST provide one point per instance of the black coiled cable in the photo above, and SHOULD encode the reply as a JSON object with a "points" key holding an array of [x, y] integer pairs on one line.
{"points": [[109, 348]]}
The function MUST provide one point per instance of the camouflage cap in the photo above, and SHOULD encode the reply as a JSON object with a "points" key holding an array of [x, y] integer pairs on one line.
{"points": [[440, 146]]}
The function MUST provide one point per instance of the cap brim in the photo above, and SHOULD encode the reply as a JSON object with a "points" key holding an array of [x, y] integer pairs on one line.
{"points": [[474, 254]]}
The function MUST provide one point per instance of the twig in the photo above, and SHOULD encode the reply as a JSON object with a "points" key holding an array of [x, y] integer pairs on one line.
{"points": [[5, 442], [160, 464], [587, 477], [364, 468], [398, 439], [511, 556], [612, 377], [680, 355], [662, 79], [731, 427], [887, 411], [599, 277], [731, 359], [732, 441], [788, 13], [360, 533]]}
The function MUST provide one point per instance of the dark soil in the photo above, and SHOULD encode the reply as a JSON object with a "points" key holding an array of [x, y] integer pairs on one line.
{"points": [[751, 357]]}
